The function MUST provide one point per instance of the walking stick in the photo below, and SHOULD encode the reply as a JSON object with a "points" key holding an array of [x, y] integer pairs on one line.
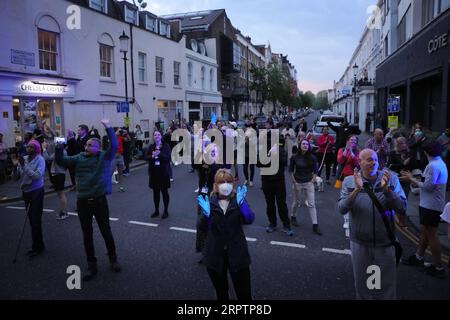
{"points": [[21, 235]]}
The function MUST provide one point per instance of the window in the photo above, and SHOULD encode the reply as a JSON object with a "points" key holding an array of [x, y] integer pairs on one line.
{"points": [[176, 73], [203, 77], [48, 50], [99, 5], [159, 66], [211, 80], [164, 29], [106, 61], [150, 23], [386, 46], [427, 11], [130, 15], [142, 67], [190, 74]]}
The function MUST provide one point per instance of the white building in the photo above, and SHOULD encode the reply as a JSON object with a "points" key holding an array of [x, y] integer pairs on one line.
{"points": [[202, 95], [63, 64]]}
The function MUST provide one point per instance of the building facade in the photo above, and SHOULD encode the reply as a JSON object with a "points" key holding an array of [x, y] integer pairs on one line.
{"points": [[63, 65], [416, 66]]}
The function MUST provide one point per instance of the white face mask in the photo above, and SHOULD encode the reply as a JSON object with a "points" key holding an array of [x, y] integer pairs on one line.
{"points": [[225, 189]]}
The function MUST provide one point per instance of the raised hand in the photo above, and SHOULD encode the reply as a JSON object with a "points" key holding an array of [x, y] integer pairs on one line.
{"points": [[358, 179], [105, 122], [205, 205], [241, 194], [385, 180]]}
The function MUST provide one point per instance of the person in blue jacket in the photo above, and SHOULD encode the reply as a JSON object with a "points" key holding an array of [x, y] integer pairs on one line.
{"points": [[225, 246]]}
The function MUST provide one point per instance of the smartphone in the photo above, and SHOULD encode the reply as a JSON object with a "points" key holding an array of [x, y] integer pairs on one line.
{"points": [[60, 140]]}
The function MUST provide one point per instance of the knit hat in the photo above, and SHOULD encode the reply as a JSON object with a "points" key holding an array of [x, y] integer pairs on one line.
{"points": [[36, 145]]}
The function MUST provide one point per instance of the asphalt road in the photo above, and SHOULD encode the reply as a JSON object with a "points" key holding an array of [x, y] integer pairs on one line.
{"points": [[159, 260]]}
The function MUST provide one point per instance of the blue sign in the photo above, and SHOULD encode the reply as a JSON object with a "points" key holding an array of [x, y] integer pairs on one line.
{"points": [[393, 105], [123, 106]]}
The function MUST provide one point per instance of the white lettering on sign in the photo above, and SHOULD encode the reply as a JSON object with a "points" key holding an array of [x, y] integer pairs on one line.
{"points": [[28, 88], [437, 43]]}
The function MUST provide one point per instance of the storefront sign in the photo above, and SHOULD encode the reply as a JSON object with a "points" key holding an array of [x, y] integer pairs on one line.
{"points": [[22, 57], [393, 122], [29, 88], [438, 42]]}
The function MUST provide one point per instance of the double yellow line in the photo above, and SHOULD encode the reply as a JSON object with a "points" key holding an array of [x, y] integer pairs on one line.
{"points": [[411, 236]]}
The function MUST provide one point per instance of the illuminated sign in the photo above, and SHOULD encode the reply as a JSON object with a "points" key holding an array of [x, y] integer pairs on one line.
{"points": [[29, 88]]}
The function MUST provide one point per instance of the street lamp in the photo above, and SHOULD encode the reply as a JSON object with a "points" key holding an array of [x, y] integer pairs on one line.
{"points": [[355, 71], [124, 41]]}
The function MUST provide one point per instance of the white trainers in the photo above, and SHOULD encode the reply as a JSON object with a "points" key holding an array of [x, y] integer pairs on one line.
{"points": [[245, 182], [345, 225], [196, 190]]}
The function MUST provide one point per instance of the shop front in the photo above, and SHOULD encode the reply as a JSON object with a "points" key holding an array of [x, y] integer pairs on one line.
{"points": [[27, 102], [418, 75]]}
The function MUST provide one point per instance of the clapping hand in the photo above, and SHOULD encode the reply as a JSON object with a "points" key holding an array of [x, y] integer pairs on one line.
{"points": [[241, 194], [357, 178], [205, 205], [385, 180]]}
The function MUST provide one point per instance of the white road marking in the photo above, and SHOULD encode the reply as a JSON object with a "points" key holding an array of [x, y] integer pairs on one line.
{"points": [[143, 223], [346, 251], [250, 239], [16, 208], [72, 213], [48, 210], [287, 244], [183, 229]]}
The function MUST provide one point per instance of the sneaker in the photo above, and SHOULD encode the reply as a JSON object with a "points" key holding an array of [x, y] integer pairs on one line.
{"points": [[413, 261], [91, 272], [294, 221], [434, 272], [62, 215], [34, 253], [316, 229], [121, 189], [115, 266], [251, 184], [126, 174], [271, 229], [196, 190], [245, 182], [288, 231], [345, 225], [171, 179], [155, 215], [165, 215]]}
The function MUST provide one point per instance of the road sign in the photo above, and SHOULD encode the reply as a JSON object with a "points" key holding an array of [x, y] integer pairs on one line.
{"points": [[393, 105], [123, 106], [393, 122]]}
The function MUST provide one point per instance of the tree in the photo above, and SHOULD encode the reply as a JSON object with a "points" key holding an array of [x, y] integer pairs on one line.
{"points": [[260, 85], [278, 87], [308, 99], [321, 101]]}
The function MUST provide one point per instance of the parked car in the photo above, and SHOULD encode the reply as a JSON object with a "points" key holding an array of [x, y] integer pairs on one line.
{"points": [[332, 118], [261, 121], [317, 131]]}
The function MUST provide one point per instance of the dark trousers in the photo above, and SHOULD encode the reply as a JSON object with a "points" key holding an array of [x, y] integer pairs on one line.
{"points": [[202, 177], [72, 175], [98, 208], [34, 204], [157, 198], [252, 172], [327, 163], [275, 192], [3, 171], [241, 282]]}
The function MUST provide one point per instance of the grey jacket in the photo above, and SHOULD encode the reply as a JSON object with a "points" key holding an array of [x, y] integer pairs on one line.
{"points": [[363, 213], [32, 173]]}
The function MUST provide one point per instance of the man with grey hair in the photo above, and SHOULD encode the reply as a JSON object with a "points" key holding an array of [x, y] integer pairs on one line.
{"points": [[369, 241], [380, 146]]}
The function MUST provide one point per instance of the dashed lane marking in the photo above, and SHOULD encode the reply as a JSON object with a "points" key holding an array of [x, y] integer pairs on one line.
{"points": [[288, 244], [251, 239], [143, 223], [183, 229], [346, 251]]}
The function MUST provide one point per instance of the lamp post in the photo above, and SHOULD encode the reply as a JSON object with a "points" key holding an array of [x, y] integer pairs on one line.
{"points": [[124, 40], [355, 71]]}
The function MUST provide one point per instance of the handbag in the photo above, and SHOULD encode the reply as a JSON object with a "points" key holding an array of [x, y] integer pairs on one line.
{"points": [[381, 211], [338, 183]]}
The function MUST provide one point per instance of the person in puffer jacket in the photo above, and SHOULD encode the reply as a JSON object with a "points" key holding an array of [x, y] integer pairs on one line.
{"points": [[369, 241], [225, 246]]}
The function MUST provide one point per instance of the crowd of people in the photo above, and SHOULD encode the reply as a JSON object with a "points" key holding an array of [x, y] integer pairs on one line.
{"points": [[375, 183]]}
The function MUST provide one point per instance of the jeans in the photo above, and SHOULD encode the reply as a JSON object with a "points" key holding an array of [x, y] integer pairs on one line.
{"points": [[34, 201], [252, 172], [98, 208], [307, 188]]}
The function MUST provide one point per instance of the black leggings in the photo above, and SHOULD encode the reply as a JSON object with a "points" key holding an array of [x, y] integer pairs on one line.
{"points": [[157, 198]]}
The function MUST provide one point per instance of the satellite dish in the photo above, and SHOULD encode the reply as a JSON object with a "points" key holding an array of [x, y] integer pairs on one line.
{"points": [[144, 5], [194, 45], [202, 49]]}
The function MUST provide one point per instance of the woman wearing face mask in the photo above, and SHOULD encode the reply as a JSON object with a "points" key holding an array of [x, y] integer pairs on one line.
{"points": [[158, 157], [225, 246], [303, 168]]}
